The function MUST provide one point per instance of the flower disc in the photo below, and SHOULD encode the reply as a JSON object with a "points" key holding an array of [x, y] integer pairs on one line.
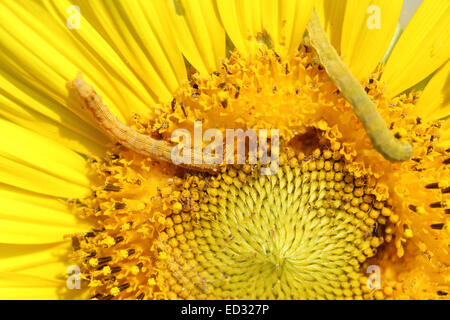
{"points": [[298, 234]]}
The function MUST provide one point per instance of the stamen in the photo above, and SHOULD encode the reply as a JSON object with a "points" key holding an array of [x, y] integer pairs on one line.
{"points": [[116, 269], [436, 205], [119, 205], [226, 67], [111, 187], [124, 286], [437, 226], [104, 260], [140, 296]]}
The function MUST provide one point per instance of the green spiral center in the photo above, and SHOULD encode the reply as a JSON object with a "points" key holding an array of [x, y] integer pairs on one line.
{"points": [[298, 234]]}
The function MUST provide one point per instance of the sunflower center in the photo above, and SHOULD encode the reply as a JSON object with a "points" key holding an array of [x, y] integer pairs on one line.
{"points": [[303, 233], [299, 234]]}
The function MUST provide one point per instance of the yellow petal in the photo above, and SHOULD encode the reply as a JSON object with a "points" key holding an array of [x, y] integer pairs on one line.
{"points": [[39, 49], [434, 102], [198, 32], [24, 232], [331, 14], [284, 22], [289, 24], [34, 214], [25, 287], [138, 32], [30, 149], [37, 272], [30, 218], [40, 165], [35, 111], [368, 28], [20, 195], [29, 178], [50, 260], [422, 48], [231, 17]]}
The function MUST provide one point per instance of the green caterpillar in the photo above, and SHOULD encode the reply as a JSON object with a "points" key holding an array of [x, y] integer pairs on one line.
{"points": [[381, 137]]}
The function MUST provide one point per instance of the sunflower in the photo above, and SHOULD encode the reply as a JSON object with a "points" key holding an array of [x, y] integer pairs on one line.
{"points": [[87, 216]]}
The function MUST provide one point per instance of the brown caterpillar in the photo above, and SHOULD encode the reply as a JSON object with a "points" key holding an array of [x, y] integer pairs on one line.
{"points": [[127, 136], [381, 137]]}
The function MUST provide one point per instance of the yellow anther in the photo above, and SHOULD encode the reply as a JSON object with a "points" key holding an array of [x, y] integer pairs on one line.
{"points": [[106, 270], [123, 254], [93, 262], [408, 233], [135, 270], [115, 291]]}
